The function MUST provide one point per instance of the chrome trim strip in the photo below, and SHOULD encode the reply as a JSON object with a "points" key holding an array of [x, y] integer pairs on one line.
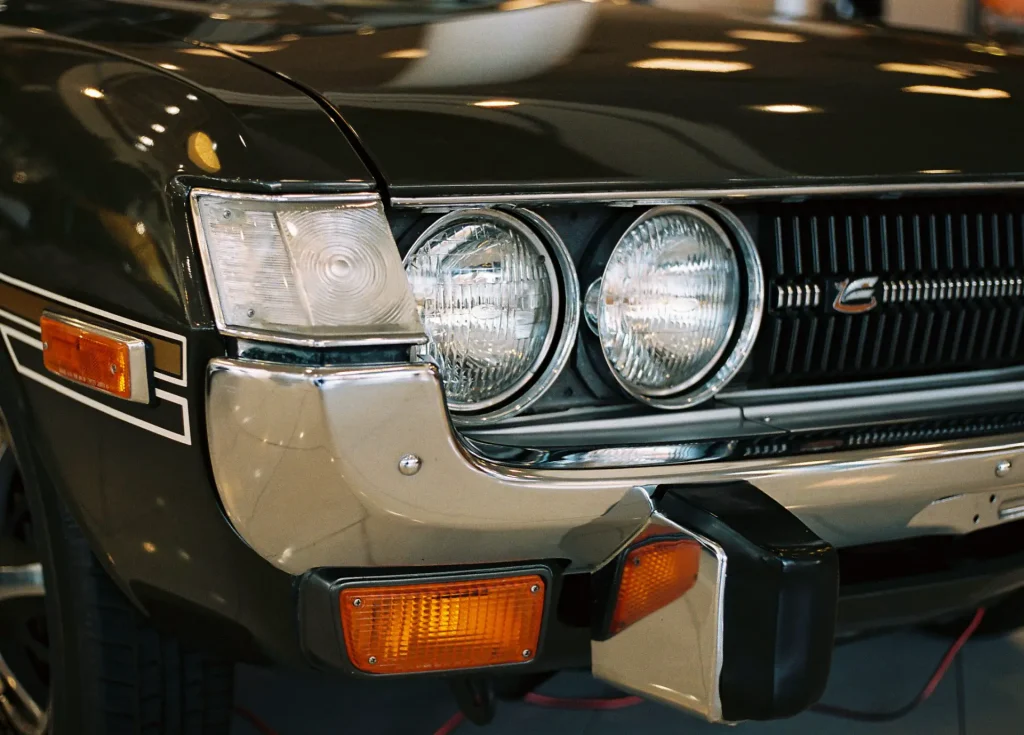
{"points": [[601, 428], [281, 338], [667, 196], [768, 396], [859, 410], [1011, 509], [138, 364], [185, 437], [182, 381], [262, 335]]}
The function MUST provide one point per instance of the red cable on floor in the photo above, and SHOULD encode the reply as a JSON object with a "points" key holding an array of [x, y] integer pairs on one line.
{"points": [[453, 722], [572, 703], [255, 721], [615, 703], [583, 703], [929, 688]]}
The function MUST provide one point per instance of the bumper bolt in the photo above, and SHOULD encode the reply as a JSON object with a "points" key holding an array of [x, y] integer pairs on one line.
{"points": [[1003, 468], [527, 653], [357, 602], [372, 660], [535, 589], [409, 464]]}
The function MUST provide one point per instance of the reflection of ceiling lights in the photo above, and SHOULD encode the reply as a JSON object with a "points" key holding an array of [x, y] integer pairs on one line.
{"points": [[940, 171], [770, 36], [157, 127], [220, 16], [93, 92], [405, 53], [202, 151], [495, 103], [708, 65], [786, 109], [520, 4], [169, 67], [243, 49], [711, 47], [930, 70], [985, 93], [203, 52], [172, 109], [991, 48]]}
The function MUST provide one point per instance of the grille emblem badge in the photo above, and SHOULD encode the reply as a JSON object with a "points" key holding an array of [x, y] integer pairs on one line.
{"points": [[855, 296]]}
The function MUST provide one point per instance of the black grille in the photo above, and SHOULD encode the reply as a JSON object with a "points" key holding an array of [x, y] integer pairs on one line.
{"points": [[928, 286]]}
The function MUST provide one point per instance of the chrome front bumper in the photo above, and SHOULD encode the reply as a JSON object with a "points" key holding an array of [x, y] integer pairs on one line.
{"points": [[360, 468], [308, 464]]}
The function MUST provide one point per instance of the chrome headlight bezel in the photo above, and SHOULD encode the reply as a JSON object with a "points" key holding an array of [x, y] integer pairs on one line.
{"points": [[742, 333], [561, 336]]}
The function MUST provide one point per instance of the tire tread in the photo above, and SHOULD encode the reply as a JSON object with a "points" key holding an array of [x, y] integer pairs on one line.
{"points": [[145, 683]]}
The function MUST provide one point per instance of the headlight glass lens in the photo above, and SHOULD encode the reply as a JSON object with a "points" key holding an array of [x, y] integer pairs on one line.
{"points": [[669, 301], [487, 294]]}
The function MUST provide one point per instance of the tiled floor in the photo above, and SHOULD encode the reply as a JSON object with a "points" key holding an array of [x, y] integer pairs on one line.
{"points": [[983, 693]]}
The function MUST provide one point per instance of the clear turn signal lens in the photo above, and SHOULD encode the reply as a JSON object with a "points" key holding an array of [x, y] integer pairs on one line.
{"points": [[669, 301], [488, 297], [304, 269]]}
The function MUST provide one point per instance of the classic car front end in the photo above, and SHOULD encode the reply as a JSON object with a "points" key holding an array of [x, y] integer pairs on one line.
{"points": [[489, 343]]}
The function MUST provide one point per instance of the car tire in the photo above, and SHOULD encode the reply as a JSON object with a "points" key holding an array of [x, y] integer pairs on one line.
{"points": [[111, 672]]}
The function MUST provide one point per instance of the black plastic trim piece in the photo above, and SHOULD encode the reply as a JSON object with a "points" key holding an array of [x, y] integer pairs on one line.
{"points": [[781, 591]]}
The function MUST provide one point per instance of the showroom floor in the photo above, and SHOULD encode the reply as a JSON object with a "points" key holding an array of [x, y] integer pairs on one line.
{"points": [[982, 693]]}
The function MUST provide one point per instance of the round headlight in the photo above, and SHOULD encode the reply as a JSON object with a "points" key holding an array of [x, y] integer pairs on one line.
{"points": [[670, 303], [491, 304]]}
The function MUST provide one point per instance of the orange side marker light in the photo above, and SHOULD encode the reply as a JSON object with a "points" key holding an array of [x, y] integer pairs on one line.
{"points": [[95, 357]]}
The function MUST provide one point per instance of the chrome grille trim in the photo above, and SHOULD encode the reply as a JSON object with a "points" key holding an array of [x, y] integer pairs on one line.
{"points": [[792, 296], [942, 289]]}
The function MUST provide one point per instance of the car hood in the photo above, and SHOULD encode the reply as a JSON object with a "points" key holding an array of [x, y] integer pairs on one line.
{"points": [[569, 96]]}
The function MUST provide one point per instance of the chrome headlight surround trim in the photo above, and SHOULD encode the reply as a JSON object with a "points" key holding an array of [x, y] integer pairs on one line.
{"points": [[687, 395], [565, 310]]}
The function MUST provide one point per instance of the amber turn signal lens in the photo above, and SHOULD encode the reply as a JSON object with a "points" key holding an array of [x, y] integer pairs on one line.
{"points": [[653, 575], [442, 626], [90, 356]]}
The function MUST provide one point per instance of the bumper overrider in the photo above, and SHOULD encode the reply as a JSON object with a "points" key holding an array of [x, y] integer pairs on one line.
{"points": [[355, 476]]}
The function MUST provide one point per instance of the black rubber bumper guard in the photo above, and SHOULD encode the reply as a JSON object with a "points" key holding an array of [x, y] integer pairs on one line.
{"points": [[776, 609]]}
